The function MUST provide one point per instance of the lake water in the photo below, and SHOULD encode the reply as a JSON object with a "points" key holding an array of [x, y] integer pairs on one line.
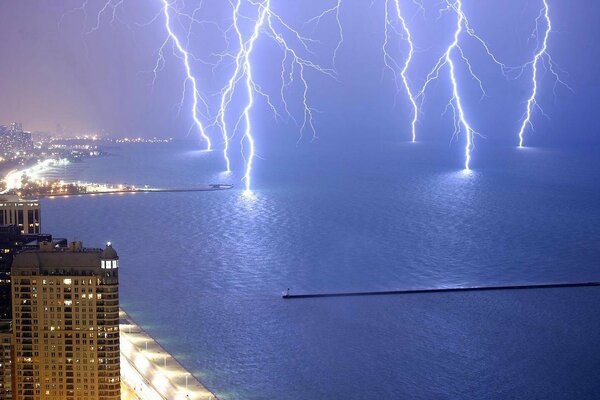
{"points": [[203, 272]]}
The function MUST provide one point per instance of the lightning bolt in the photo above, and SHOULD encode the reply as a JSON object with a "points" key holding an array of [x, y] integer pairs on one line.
{"points": [[538, 58], [104, 9], [293, 66], [455, 103], [455, 92], [461, 122], [185, 56], [228, 91], [179, 50], [251, 87], [335, 10], [391, 63]]}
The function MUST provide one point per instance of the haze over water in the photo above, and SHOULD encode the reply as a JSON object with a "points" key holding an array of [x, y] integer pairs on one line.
{"points": [[203, 272]]}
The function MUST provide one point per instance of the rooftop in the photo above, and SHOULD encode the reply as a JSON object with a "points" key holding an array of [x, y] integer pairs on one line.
{"points": [[73, 259], [12, 198]]}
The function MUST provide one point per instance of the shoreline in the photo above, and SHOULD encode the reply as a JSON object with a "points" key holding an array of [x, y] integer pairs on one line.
{"points": [[148, 369], [133, 191]]}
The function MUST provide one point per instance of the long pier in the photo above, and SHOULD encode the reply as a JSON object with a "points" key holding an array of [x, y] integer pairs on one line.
{"points": [[207, 188], [290, 296]]}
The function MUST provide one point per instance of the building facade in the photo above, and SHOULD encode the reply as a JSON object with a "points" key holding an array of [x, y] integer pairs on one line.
{"points": [[66, 323], [23, 213], [13, 139], [5, 361], [12, 241]]}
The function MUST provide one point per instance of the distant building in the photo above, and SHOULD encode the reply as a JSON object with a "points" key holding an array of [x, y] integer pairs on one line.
{"points": [[66, 323], [14, 139], [23, 213], [9, 244], [12, 242], [16, 127]]}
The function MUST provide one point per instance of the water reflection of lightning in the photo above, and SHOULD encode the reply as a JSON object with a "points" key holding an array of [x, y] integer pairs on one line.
{"points": [[393, 65]]}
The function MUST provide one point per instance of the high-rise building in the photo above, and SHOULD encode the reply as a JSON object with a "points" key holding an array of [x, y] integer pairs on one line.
{"points": [[11, 243], [23, 213], [16, 126], [16, 237], [66, 323], [5, 361], [14, 139]]}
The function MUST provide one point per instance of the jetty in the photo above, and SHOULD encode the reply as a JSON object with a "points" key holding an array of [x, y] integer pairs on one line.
{"points": [[290, 296], [207, 188], [149, 372]]}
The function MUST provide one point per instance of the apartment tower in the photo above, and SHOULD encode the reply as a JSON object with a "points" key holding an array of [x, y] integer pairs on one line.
{"points": [[66, 323]]}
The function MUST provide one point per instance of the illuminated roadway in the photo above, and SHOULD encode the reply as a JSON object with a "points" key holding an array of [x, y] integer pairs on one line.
{"points": [[150, 372]]}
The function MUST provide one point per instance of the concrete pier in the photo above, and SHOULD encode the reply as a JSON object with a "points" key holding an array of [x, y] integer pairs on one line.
{"points": [[149, 372], [442, 290]]}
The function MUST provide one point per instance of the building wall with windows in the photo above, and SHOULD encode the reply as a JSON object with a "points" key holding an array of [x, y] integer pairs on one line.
{"points": [[12, 242], [66, 324], [23, 213], [5, 362]]}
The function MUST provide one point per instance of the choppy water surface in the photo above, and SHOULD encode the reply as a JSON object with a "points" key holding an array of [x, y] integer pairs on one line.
{"points": [[203, 272]]}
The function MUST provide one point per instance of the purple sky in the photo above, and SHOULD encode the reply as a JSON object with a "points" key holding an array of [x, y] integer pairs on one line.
{"points": [[51, 74]]}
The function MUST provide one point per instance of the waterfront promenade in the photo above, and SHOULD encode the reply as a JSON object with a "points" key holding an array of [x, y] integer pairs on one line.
{"points": [[149, 372]]}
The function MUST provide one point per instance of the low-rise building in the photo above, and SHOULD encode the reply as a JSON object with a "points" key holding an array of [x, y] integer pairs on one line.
{"points": [[23, 213]]}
